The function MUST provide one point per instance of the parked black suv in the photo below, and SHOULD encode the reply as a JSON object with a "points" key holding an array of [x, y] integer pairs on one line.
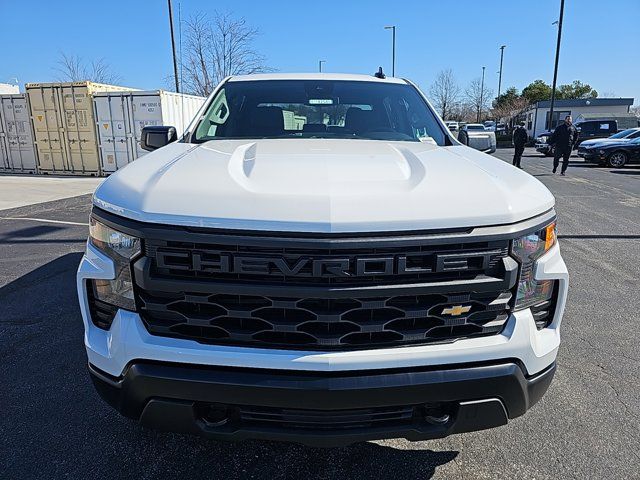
{"points": [[586, 131]]}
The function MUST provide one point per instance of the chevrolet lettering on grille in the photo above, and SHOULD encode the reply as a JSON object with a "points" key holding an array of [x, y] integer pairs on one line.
{"points": [[321, 267]]}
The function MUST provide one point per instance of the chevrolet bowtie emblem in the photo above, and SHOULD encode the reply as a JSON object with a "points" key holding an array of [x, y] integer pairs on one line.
{"points": [[456, 310]]}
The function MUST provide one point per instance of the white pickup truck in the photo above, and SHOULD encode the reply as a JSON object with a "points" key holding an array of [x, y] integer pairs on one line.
{"points": [[318, 260], [476, 135]]}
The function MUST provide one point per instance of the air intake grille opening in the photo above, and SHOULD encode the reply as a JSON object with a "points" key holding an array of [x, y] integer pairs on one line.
{"points": [[101, 313], [238, 416], [324, 324], [544, 312]]}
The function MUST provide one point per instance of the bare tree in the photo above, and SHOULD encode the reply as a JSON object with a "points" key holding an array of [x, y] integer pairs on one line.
{"points": [[635, 110], [510, 109], [72, 68], [478, 97], [215, 48], [101, 72], [445, 93], [463, 112]]}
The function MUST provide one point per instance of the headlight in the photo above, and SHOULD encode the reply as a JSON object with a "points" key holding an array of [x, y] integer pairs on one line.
{"points": [[527, 250], [122, 249], [601, 152]]}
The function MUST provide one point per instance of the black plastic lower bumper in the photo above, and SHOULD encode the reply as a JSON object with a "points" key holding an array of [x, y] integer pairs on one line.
{"points": [[322, 408]]}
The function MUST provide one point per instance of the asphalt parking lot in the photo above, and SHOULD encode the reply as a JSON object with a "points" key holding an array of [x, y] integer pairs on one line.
{"points": [[53, 425]]}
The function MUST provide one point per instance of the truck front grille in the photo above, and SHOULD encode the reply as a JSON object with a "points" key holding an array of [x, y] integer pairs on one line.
{"points": [[322, 293], [316, 323]]}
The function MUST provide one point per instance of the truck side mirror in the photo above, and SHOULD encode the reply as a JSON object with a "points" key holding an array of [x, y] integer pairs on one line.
{"points": [[157, 136]]}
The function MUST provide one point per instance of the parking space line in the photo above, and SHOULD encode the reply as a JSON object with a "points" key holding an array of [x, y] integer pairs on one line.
{"points": [[45, 220]]}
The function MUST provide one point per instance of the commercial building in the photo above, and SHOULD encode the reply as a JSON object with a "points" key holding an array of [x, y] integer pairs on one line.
{"points": [[537, 116]]}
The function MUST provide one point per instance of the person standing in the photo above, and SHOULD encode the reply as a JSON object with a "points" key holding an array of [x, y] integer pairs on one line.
{"points": [[564, 137], [520, 137]]}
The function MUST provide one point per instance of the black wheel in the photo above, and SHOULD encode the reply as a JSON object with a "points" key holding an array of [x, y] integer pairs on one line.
{"points": [[617, 159]]}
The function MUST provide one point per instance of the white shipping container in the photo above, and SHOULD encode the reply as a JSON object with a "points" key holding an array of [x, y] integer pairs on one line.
{"points": [[64, 126], [17, 151], [120, 117], [8, 88]]}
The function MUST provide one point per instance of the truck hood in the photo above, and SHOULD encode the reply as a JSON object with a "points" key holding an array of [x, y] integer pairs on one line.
{"points": [[320, 185]]}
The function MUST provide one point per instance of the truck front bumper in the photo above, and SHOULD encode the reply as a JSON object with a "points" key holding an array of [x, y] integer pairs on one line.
{"points": [[321, 397], [322, 408]]}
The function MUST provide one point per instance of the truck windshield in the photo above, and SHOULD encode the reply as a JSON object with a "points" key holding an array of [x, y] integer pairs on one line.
{"points": [[319, 109]]}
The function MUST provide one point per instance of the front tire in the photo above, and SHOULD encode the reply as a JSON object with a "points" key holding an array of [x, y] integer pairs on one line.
{"points": [[617, 159]]}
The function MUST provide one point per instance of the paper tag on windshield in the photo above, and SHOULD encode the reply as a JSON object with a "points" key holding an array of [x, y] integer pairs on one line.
{"points": [[427, 140]]}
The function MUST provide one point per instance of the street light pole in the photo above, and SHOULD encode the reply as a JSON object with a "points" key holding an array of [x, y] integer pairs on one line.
{"points": [[555, 68], [320, 62], [481, 96], [393, 48], [500, 75], [173, 48]]}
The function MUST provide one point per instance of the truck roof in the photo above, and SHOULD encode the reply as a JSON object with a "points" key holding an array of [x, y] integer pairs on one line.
{"points": [[315, 76]]}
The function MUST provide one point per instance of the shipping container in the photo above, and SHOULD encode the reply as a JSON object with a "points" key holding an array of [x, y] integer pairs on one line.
{"points": [[8, 88], [17, 151], [64, 126], [120, 117]]}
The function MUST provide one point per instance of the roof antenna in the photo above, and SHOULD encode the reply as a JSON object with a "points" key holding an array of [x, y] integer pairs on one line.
{"points": [[379, 73]]}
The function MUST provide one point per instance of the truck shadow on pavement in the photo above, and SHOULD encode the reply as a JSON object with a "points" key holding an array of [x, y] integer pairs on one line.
{"points": [[37, 234], [54, 425]]}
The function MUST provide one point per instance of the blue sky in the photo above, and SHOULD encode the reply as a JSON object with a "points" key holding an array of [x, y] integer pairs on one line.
{"points": [[600, 39]]}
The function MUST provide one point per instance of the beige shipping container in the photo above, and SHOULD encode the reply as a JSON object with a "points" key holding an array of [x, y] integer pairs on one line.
{"points": [[64, 126]]}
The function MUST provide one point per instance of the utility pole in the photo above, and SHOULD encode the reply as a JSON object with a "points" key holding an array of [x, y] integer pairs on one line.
{"points": [[173, 48], [481, 96], [320, 62], [393, 48], [555, 68], [500, 75]]}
